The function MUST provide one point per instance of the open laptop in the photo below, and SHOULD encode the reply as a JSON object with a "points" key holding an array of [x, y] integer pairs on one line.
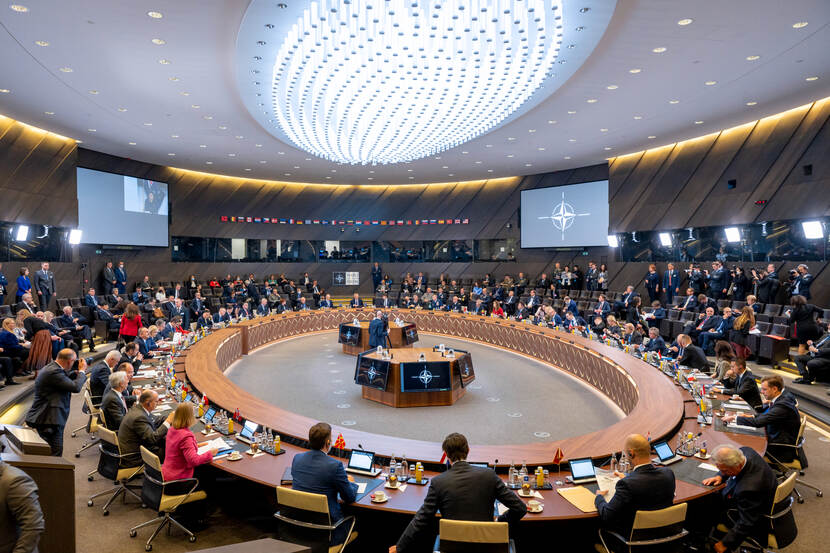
{"points": [[582, 471], [247, 433], [665, 455], [208, 416], [360, 462]]}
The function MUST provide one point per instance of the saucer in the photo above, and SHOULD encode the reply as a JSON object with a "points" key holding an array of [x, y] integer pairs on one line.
{"points": [[538, 510], [384, 500], [236, 457], [699, 456], [529, 494], [391, 487]]}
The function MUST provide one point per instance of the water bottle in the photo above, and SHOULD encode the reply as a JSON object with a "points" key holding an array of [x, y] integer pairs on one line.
{"points": [[523, 471], [511, 475], [613, 462], [404, 474]]}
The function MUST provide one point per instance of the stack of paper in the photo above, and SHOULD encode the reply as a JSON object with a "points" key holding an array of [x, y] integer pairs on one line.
{"points": [[579, 497], [607, 481], [217, 443]]}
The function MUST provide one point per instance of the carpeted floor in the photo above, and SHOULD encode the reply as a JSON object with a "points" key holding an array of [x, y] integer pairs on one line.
{"points": [[513, 399]]}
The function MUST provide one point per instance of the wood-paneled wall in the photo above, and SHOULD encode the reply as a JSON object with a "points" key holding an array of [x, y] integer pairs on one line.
{"points": [[674, 186]]}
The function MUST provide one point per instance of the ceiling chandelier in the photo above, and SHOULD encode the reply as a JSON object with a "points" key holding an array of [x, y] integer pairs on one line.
{"points": [[389, 81]]}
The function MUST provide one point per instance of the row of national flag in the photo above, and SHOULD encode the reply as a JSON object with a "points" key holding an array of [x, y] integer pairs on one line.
{"points": [[344, 222]]}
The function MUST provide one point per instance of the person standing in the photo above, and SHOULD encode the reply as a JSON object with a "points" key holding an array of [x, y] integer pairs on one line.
{"points": [[24, 284], [377, 275], [44, 284], [130, 323], [54, 385], [652, 282], [21, 518], [121, 278], [109, 279], [671, 283], [3, 284], [378, 331]]}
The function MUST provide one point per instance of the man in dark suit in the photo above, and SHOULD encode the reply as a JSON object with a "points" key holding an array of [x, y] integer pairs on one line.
{"points": [[129, 394], [816, 362], [103, 313], [55, 384], [109, 279], [510, 303], [245, 311], [302, 305], [131, 355], [221, 316], [139, 296], [176, 292], [44, 284], [263, 308], [533, 302], [356, 301], [377, 331], [21, 518], [79, 331], [456, 306], [180, 311], [739, 380], [283, 306], [603, 308], [718, 281], [99, 375], [326, 302], [689, 303], [767, 284], [522, 312], [697, 280], [780, 418], [719, 331], [690, 355], [114, 405], [704, 323], [140, 428], [383, 302], [463, 492], [377, 275], [671, 283], [315, 472], [27, 304], [197, 305], [572, 321], [121, 277], [801, 285], [480, 308], [750, 490], [90, 300], [646, 488], [543, 282], [655, 341]]}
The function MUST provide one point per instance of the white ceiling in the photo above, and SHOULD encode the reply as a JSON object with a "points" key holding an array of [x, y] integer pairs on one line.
{"points": [[108, 47]]}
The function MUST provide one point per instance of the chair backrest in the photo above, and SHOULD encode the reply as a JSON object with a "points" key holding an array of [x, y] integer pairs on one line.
{"points": [[304, 518], [110, 459], [659, 529], [801, 429], [459, 536], [152, 490], [784, 489], [782, 526], [780, 330], [93, 410]]}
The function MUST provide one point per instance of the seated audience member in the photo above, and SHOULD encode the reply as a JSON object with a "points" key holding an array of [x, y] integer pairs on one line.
{"points": [[646, 488], [455, 305], [497, 311], [718, 331], [143, 345], [705, 321], [572, 322], [283, 306], [132, 355], [140, 428], [724, 355], [597, 325], [740, 380], [114, 404], [383, 302], [689, 302], [165, 329], [752, 302], [301, 305], [181, 452], [655, 342], [603, 307], [691, 355], [205, 321], [245, 311], [221, 316], [263, 308], [510, 303], [522, 312], [21, 518], [814, 365], [570, 305], [315, 472], [632, 314], [154, 341], [631, 337], [273, 296], [26, 304], [139, 296], [480, 308], [90, 300], [326, 303], [749, 491], [463, 492], [10, 343], [99, 375], [356, 301], [621, 305], [161, 294], [477, 289], [658, 313], [704, 302], [103, 313], [533, 302], [612, 328], [61, 337], [780, 418]]}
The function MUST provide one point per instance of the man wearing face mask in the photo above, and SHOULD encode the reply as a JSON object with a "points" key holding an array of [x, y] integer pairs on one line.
{"points": [[646, 488], [315, 472]]}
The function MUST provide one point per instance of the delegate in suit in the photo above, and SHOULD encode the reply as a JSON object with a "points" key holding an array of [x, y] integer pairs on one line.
{"points": [[464, 492], [378, 333], [21, 519], [140, 428], [114, 405], [741, 381]]}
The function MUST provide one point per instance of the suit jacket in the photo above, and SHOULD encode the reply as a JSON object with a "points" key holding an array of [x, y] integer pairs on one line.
{"points": [[90, 301], [23, 305], [217, 318], [21, 520], [263, 309], [196, 307], [53, 390], [745, 386], [182, 312], [719, 280], [326, 303], [464, 492], [647, 488], [138, 428], [801, 286], [604, 308], [316, 472], [671, 280], [113, 407], [751, 492], [693, 357], [143, 347], [377, 335], [356, 303], [44, 281], [120, 275], [782, 422], [656, 344], [99, 377]]}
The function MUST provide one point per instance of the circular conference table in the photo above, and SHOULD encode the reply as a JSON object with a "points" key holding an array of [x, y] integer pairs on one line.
{"points": [[652, 403]]}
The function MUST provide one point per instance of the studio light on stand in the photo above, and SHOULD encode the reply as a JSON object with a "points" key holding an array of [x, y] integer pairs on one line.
{"points": [[22, 233], [813, 230], [665, 239], [613, 241], [75, 236], [733, 234]]}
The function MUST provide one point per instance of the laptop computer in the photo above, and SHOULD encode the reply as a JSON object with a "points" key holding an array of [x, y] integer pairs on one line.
{"points": [[246, 435], [360, 462], [665, 455], [208, 416], [582, 471]]}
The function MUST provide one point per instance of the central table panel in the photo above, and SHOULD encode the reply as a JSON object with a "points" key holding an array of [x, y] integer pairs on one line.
{"points": [[399, 337], [433, 367]]}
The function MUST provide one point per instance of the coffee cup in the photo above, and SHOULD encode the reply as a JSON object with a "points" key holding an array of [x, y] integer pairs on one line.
{"points": [[380, 496], [533, 505]]}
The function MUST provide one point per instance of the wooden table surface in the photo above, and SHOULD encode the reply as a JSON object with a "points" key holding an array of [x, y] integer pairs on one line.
{"points": [[659, 409]]}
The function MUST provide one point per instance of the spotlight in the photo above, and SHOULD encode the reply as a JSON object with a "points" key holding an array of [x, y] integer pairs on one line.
{"points": [[733, 234], [613, 241], [813, 230], [75, 236], [22, 233], [665, 239]]}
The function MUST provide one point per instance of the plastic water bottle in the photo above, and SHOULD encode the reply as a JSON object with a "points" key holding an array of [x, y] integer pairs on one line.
{"points": [[613, 462], [404, 473], [523, 471], [511, 474]]}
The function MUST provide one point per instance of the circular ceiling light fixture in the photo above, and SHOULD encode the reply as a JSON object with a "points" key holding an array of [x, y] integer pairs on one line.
{"points": [[371, 82]]}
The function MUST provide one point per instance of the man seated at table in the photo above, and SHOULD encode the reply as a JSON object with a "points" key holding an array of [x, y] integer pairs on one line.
{"points": [[646, 488], [655, 342], [690, 355], [315, 472], [356, 301], [326, 303], [740, 380], [750, 491], [463, 492], [263, 308], [780, 418], [140, 427]]}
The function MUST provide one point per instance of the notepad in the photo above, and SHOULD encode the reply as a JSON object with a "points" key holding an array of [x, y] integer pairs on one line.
{"points": [[737, 406], [361, 487], [579, 497], [707, 466], [217, 443], [741, 426], [607, 481]]}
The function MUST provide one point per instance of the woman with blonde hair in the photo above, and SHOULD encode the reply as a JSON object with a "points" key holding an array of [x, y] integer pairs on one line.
{"points": [[740, 330], [181, 452]]}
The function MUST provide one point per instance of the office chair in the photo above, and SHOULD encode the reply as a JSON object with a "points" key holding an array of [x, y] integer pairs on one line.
{"points": [[84, 390], [153, 495], [661, 530], [109, 466], [91, 425], [463, 536], [782, 529], [306, 521], [795, 465]]}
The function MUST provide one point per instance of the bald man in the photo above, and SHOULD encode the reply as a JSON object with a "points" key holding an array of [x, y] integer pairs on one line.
{"points": [[646, 488]]}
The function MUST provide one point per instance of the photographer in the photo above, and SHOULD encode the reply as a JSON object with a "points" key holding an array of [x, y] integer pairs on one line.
{"points": [[801, 281], [740, 284], [766, 284]]}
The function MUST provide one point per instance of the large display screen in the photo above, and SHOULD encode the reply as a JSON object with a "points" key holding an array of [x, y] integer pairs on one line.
{"points": [[410, 334], [348, 335], [371, 372], [121, 210], [575, 215], [426, 377], [465, 368]]}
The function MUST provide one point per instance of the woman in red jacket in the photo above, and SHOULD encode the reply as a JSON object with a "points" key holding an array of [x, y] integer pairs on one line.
{"points": [[181, 451], [130, 323]]}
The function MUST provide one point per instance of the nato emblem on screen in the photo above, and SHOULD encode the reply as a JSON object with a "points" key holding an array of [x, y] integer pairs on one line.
{"points": [[348, 335], [565, 216], [425, 377], [410, 334], [372, 372]]}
